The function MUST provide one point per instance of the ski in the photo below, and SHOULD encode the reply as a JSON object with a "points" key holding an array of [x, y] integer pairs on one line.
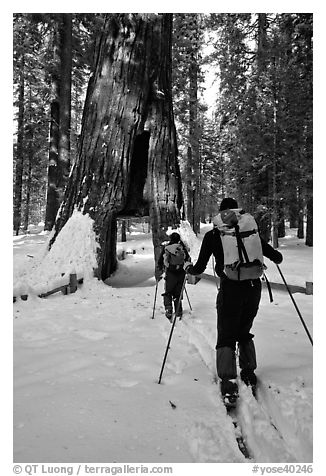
{"points": [[231, 411], [230, 403]]}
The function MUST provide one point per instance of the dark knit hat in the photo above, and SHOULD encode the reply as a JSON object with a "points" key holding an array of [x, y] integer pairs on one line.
{"points": [[228, 202], [174, 237]]}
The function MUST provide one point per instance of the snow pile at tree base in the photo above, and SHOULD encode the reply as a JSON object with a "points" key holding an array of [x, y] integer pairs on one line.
{"points": [[74, 251], [189, 238]]}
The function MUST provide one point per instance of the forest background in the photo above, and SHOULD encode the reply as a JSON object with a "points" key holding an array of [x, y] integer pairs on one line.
{"points": [[254, 142]]}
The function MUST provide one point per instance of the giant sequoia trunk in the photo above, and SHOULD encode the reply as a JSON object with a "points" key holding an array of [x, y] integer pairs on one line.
{"points": [[127, 160]]}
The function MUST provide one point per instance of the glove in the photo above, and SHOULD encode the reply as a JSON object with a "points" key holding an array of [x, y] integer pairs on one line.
{"points": [[187, 266], [158, 274], [192, 279], [279, 259]]}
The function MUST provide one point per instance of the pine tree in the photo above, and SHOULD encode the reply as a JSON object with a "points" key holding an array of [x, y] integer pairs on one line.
{"points": [[19, 78], [188, 39], [265, 112], [32, 124]]}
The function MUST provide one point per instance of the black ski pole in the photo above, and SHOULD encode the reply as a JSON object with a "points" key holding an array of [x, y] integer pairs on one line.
{"points": [[155, 299], [295, 305], [214, 272], [172, 328], [188, 299]]}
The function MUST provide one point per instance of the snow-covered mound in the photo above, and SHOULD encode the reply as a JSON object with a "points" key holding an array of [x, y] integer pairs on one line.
{"points": [[74, 251]]}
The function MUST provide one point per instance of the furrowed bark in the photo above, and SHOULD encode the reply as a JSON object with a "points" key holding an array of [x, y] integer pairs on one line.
{"points": [[127, 161]]}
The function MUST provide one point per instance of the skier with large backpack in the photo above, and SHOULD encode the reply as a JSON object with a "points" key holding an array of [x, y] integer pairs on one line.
{"points": [[173, 256], [238, 250]]}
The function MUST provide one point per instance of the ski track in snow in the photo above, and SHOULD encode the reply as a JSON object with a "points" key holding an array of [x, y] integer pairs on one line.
{"points": [[211, 436], [268, 435]]}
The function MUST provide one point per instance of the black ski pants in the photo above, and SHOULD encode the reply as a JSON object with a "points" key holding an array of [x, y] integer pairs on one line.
{"points": [[237, 306], [173, 287]]}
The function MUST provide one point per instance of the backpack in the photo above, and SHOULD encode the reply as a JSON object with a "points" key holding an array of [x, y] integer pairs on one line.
{"points": [[243, 254], [174, 256]]}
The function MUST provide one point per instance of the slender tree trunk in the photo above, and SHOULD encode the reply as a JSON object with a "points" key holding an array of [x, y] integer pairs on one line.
{"points": [[30, 154], [300, 233], [274, 186], [309, 230], [281, 221], [262, 41], [193, 166], [59, 153], [194, 143], [128, 125], [293, 218], [275, 209], [28, 195], [65, 104], [268, 224], [123, 231], [189, 187], [294, 210], [52, 195], [20, 149], [29, 140]]}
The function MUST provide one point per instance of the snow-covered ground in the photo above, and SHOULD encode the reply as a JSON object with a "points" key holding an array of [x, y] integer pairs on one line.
{"points": [[86, 365]]}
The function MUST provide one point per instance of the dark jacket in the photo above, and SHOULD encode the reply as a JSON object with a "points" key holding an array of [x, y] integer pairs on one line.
{"points": [[212, 244]]}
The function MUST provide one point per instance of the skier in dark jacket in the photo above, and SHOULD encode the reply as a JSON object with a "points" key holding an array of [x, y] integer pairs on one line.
{"points": [[237, 305], [174, 274]]}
